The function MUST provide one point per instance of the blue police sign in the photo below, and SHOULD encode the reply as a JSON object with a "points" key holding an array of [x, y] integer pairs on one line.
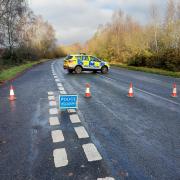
{"points": [[68, 102]]}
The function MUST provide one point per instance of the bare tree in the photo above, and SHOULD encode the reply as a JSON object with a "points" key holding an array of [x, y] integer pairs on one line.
{"points": [[155, 23], [3, 7], [12, 14], [170, 12], [178, 11]]}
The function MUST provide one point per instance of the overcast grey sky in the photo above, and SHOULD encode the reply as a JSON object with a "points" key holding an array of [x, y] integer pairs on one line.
{"points": [[77, 20]]}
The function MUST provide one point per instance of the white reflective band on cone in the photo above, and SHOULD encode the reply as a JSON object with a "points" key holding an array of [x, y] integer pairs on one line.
{"points": [[174, 91], [130, 90], [87, 90], [11, 92]]}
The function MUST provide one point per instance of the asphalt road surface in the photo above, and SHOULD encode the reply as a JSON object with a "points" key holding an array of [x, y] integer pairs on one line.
{"points": [[118, 136]]}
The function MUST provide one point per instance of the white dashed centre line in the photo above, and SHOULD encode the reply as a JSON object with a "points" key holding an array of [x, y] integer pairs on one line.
{"points": [[71, 110], [106, 178], [61, 88], [63, 92], [52, 103], [81, 132], [50, 93], [51, 98], [54, 121], [60, 157], [53, 111], [91, 152], [57, 136], [74, 118], [59, 84], [57, 80]]}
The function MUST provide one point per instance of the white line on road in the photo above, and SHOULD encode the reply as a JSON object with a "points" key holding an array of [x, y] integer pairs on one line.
{"points": [[106, 178], [71, 110], [63, 92], [155, 95], [60, 157], [81, 132], [74, 118], [57, 80], [54, 121], [53, 111], [52, 103], [61, 88], [91, 152], [59, 84], [51, 98], [57, 136], [146, 92], [50, 93]]}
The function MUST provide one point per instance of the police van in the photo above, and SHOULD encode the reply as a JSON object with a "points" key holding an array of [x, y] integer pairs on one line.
{"points": [[82, 62]]}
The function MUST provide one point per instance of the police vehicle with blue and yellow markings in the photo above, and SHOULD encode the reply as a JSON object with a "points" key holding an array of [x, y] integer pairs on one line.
{"points": [[83, 62]]}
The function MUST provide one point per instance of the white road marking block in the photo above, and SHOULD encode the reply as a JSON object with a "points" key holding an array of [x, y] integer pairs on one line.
{"points": [[59, 84], [52, 103], [61, 88], [74, 118], [53, 111], [54, 121], [57, 80], [91, 152], [63, 92], [51, 98], [81, 132], [106, 178], [71, 110], [55, 77], [60, 157], [50, 93], [57, 136]]}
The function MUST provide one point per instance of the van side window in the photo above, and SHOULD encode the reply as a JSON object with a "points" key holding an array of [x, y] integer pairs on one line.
{"points": [[79, 58], [68, 57], [85, 58], [94, 59]]}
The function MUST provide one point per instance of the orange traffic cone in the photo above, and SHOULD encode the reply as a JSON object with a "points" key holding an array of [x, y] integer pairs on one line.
{"points": [[174, 92], [131, 94], [87, 93], [12, 95]]}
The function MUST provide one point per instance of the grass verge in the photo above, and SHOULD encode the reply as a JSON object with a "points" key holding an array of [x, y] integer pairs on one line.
{"points": [[149, 70], [14, 71]]}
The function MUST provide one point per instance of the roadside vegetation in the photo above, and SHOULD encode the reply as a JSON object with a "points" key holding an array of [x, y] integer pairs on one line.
{"points": [[10, 72], [24, 38], [125, 41], [149, 70]]}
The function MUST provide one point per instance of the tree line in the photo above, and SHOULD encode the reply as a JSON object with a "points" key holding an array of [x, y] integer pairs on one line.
{"points": [[124, 40], [24, 35]]}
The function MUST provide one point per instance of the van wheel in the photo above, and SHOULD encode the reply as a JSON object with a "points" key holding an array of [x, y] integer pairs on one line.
{"points": [[78, 69], [94, 71], [104, 69]]}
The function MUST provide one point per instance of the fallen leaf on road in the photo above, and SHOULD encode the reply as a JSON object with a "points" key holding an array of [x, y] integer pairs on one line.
{"points": [[2, 142], [70, 174]]}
